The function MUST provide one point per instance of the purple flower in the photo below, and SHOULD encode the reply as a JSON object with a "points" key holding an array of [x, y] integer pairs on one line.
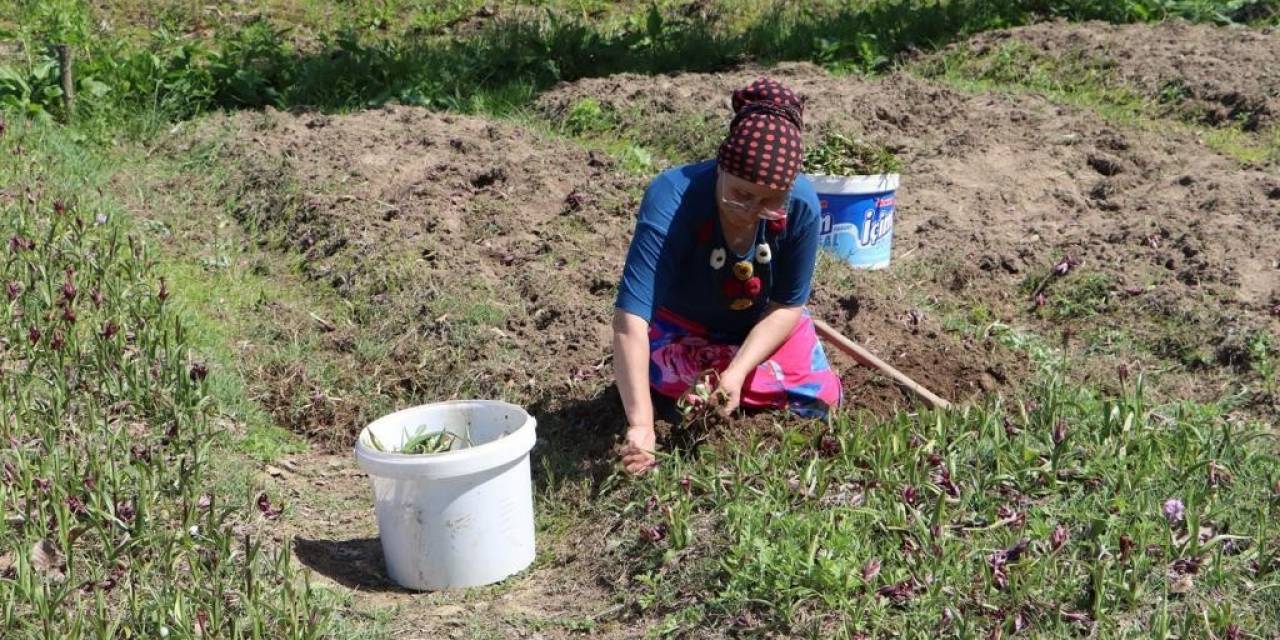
{"points": [[1041, 300], [1060, 431], [1010, 430], [75, 505], [125, 511], [1065, 265], [1126, 546], [829, 446], [140, 453], [110, 329], [871, 569], [59, 207], [14, 289], [943, 479], [1015, 519], [900, 592], [909, 495], [69, 286], [264, 507], [1174, 510], [654, 534], [33, 335], [198, 372], [1059, 537]]}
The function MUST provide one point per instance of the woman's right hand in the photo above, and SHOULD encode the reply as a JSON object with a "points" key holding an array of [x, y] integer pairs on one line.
{"points": [[638, 453]]}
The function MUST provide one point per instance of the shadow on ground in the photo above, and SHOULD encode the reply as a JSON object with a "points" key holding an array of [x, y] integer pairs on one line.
{"points": [[355, 563]]}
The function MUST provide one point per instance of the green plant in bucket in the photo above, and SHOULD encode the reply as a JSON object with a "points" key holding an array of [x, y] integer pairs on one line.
{"points": [[838, 154], [425, 442]]}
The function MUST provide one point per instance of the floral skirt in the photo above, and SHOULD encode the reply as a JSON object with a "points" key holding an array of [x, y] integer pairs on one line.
{"points": [[797, 376]]}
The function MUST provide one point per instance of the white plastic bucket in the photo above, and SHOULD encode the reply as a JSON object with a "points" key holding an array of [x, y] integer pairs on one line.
{"points": [[857, 217], [461, 518]]}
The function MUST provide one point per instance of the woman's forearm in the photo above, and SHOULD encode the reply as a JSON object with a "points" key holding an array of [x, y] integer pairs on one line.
{"points": [[631, 367], [765, 337]]}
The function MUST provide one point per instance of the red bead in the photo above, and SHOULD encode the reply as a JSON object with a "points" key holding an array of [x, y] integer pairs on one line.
{"points": [[704, 232]]}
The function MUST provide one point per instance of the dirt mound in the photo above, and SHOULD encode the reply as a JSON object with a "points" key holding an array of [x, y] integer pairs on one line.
{"points": [[1218, 75], [998, 189], [478, 258]]}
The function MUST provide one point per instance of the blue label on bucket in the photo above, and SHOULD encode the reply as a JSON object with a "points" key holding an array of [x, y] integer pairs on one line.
{"points": [[858, 228]]}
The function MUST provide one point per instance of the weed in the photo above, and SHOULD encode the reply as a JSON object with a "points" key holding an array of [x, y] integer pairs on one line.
{"points": [[112, 528], [838, 154]]}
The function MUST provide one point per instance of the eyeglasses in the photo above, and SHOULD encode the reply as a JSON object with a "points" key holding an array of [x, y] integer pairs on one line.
{"points": [[758, 203]]}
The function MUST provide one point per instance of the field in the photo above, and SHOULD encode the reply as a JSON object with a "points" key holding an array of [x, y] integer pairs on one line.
{"points": [[260, 226]]}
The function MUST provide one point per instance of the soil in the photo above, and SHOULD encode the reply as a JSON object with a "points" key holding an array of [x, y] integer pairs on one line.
{"points": [[998, 189], [401, 207], [1217, 75], [334, 534]]}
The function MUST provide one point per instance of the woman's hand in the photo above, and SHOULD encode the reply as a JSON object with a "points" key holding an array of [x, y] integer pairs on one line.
{"points": [[730, 390], [638, 453]]}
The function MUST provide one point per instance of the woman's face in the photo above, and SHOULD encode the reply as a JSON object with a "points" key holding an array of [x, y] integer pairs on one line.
{"points": [[744, 202]]}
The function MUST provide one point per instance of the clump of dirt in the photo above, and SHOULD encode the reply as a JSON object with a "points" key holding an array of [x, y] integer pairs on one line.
{"points": [[1218, 75], [999, 190]]}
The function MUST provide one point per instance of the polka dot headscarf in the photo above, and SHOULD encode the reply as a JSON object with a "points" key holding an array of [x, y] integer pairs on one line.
{"points": [[765, 143]]}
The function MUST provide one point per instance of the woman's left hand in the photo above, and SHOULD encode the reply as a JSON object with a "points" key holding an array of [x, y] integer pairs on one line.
{"points": [[730, 389]]}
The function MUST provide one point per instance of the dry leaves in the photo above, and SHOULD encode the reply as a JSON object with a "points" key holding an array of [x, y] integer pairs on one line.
{"points": [[47, 559]]}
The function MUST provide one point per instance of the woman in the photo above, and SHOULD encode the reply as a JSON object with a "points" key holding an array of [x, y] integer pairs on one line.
{"points": [[717, 276]]}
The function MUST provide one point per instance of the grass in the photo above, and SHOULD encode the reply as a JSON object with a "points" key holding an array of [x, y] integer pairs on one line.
{"points": [[188, 59], [110, 411], [912, 526]]}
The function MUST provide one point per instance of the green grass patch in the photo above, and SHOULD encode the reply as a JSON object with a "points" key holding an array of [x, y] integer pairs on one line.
{"points": [[184, 59], [114, 524], [1051, 516]]}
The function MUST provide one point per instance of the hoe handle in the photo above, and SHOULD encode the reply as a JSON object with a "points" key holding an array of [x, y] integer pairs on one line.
{"points": [[868, 359]]}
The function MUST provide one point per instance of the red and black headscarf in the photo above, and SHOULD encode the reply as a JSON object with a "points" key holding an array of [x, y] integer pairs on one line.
{"points": [[765, 143]]}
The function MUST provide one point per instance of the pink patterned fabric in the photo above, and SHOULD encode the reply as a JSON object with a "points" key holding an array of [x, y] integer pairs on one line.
{"points": [[797, 376]]}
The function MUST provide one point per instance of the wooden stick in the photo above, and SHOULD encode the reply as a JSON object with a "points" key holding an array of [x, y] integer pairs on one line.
{"points": [[867, 359], [68, 85]]}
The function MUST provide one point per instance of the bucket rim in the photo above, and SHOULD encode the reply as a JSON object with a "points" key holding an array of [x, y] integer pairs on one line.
{"points": [[856, 184], [490, 455]]}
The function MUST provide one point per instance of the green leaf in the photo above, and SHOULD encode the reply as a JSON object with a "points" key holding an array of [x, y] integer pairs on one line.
{"points": [[653, 25], [12, 82], [94, 87]]}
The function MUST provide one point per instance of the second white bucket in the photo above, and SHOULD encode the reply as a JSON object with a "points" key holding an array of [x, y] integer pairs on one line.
{"points": [[461, 518]]}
